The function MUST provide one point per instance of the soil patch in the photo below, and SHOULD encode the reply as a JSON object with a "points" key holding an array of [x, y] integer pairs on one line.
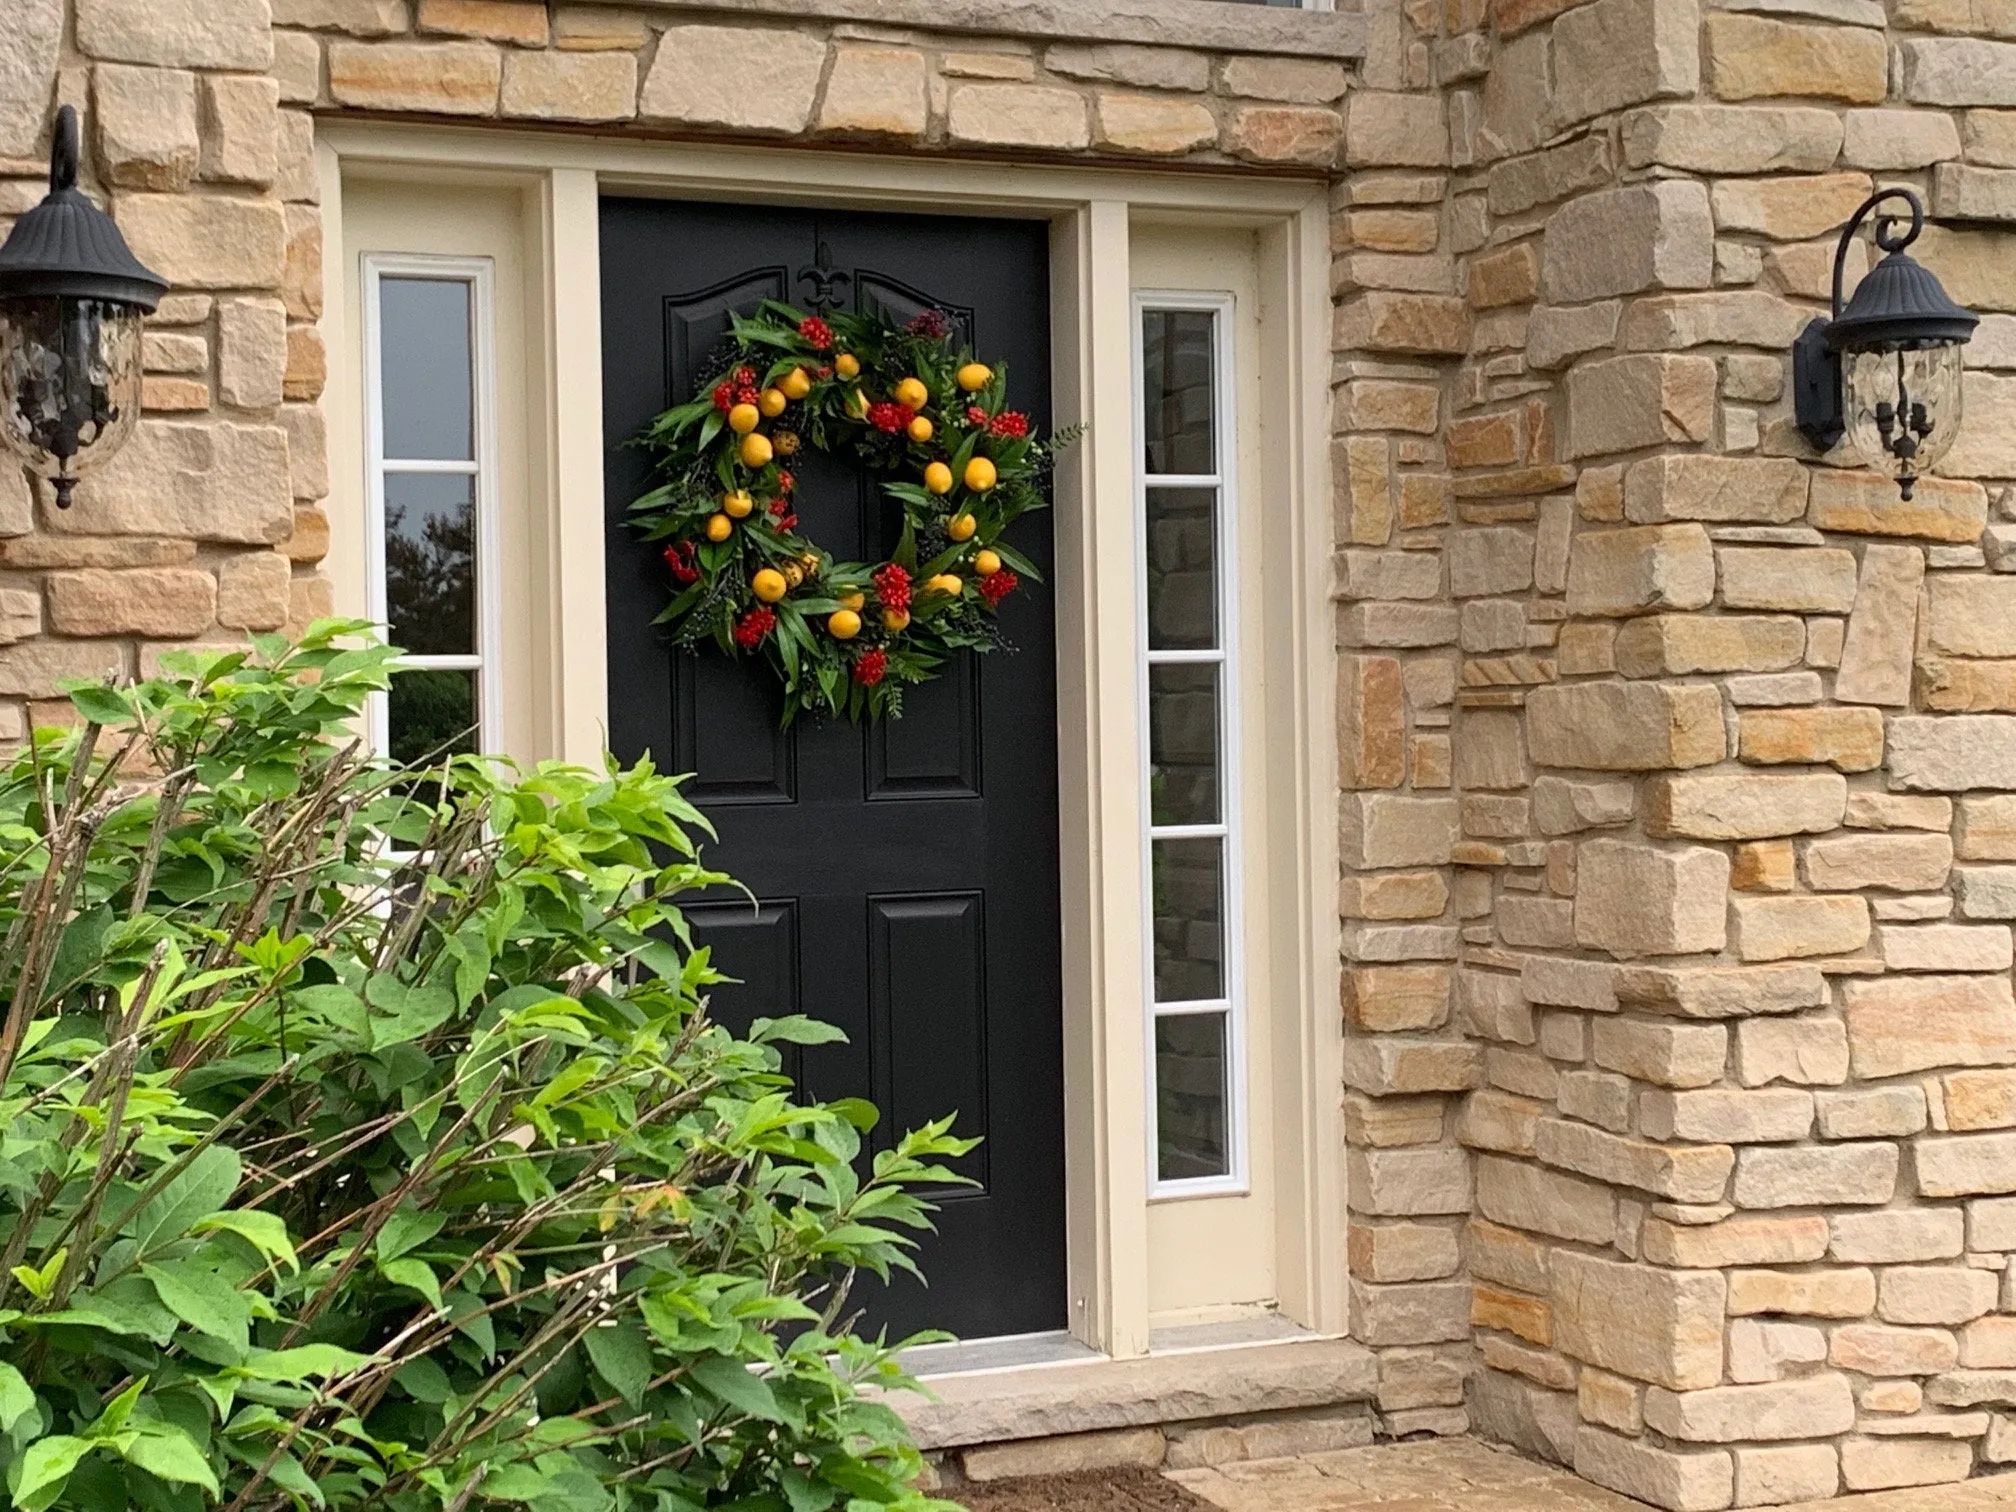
{"points": [[1086, 1491]]}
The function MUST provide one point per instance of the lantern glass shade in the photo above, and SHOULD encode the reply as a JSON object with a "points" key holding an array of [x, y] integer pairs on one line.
{"points": [[1903, 404], [69, 382]]}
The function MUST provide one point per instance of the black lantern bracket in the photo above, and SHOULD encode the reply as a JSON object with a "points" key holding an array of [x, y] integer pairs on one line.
{"points": [[1899, 303]]}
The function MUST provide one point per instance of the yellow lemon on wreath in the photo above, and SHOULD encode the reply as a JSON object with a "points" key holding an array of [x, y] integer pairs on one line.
{"points": [[847, 365], [910, 393], [975, 376], [719, 527], [854, 601], [894, 620], [980, 475], [769, 585], [756, 451], [986, 562], [858, 402], [961, 527], [738, 504], [742, 418], [843, 624], [795, 384], [793, 574], [938, 478], [946, 582], [921, 430], [772, 401]]}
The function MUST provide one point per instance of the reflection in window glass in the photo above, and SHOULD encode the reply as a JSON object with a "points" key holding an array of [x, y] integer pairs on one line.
{"points": [[430, 492], [1182, 744], [1182, 568], [430, 562], [1188, 877], [1188, 694], [1191, 1112], [1176, 361], [426, 369]]}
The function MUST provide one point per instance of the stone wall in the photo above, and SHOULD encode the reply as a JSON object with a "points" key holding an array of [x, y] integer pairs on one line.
{"points": [[1679, 756]]}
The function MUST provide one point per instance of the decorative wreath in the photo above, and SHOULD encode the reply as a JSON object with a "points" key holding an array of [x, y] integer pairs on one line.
{"points": [[845, 637]]}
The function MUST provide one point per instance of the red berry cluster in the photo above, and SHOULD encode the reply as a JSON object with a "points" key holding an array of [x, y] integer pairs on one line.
{"points": [[870, 667], [818, 335], [890, 417], [1012, 424], [754, 625], [998, 585], [931, 323], [679, 557], [782, 513], [892, 587], [724, 397], [976, 415]]}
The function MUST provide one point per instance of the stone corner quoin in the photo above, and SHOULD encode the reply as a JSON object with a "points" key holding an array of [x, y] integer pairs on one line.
{"points": [[1677, 764]]}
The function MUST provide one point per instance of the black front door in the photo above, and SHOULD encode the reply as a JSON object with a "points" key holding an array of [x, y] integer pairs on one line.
{"points": [[907, 873]]}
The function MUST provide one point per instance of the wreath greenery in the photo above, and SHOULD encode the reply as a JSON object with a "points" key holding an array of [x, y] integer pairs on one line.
{"points": [[845, 637]]}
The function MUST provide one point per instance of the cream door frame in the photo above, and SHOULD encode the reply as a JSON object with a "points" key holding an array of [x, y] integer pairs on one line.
{"points": [[1090, 212]]}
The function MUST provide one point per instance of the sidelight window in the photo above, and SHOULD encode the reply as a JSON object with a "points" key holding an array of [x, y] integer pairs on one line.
{"points": [[432, 531], [1189, 705]]}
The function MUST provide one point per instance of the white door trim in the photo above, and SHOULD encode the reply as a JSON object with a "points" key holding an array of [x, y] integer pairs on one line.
{"points": [[1090, 211]]}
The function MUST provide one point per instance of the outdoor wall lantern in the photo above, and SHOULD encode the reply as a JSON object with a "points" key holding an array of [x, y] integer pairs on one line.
{"points": [[72, 297], [1885, 371]]}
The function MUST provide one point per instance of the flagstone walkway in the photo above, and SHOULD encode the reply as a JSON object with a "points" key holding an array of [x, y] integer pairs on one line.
{"points": [[1462, 1475]]}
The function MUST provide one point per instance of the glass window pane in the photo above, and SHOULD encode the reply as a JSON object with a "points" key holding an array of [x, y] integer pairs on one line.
{"points": [[1182, 569], [1191, 1101], [1189, 886], [431, 712], [1183, 744], [1177, 419], [430, 563], [427, 369]]}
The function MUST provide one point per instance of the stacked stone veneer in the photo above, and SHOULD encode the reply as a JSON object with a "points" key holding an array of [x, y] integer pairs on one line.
{"points": [[1678, 766], [1677, 760]]}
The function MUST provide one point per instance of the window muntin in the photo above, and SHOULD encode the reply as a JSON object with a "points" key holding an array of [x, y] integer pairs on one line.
{"points": [[1187, 502], [430, 500]]}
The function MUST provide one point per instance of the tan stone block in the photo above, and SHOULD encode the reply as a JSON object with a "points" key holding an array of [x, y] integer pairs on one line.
{"points": [[1979, 1100], [1872, 1349], [1882, 630], [1490, 561], [167, 396], [1507, 277], [1385, 830], [30, 552], [200, 481], [1386, 999], [570, 86], [226, 34], [1756, 57], [744, 79], [253, 591], [1741, 807], [582, 28], [1371, 706], [1966, 1165], [1791, 209], [360, 18], [1383, 129], [1615, 53], [1364, 467], [1408, 1183], [1806, 579], [1969, 687], [314, 598], [1733, 1241], [1848, 739], [1386, 1122], [1945, 947], [1389, 230], [1678, 645], [301, 277], [146, 124], [1987, 830], [1667, 1055], [1725, 490], [1530, 1318], [1988, 1344], [1686, 1173], [1146, 67], [1284, 134], [1719, 1115], [1151, 124], [29, 59], [206, 241], [307, 371], [241, 130], [1935, 1294], [1664, 1327], [1952, 752], [1635, 900], [1382, 320], [1730, 317], [309, 542], [34, 668], [1633, 571], [1913, 1023], [1943, 509], [1300, 81], [441, 78], [1765, 866], [1385, 404], [1804, 1051], [1877, 1464], [1621, 241], [1732, 139], [1776, 929], [307, 451], [1769, 1477], [1625, 403], [1625, 726], [1720, 991], [1898, 139], [1900, 862], [1387, 1067], [1810, 1294], [1839, 1174], [1524, 1196], [520, 22], [1396, 1252], [1972, 616], [165, 602], [1556, 335], [1813, 1407], [251, 352]]}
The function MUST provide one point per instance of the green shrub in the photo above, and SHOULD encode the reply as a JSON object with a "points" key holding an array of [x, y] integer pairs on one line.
{"points": [[365, 1142]]}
